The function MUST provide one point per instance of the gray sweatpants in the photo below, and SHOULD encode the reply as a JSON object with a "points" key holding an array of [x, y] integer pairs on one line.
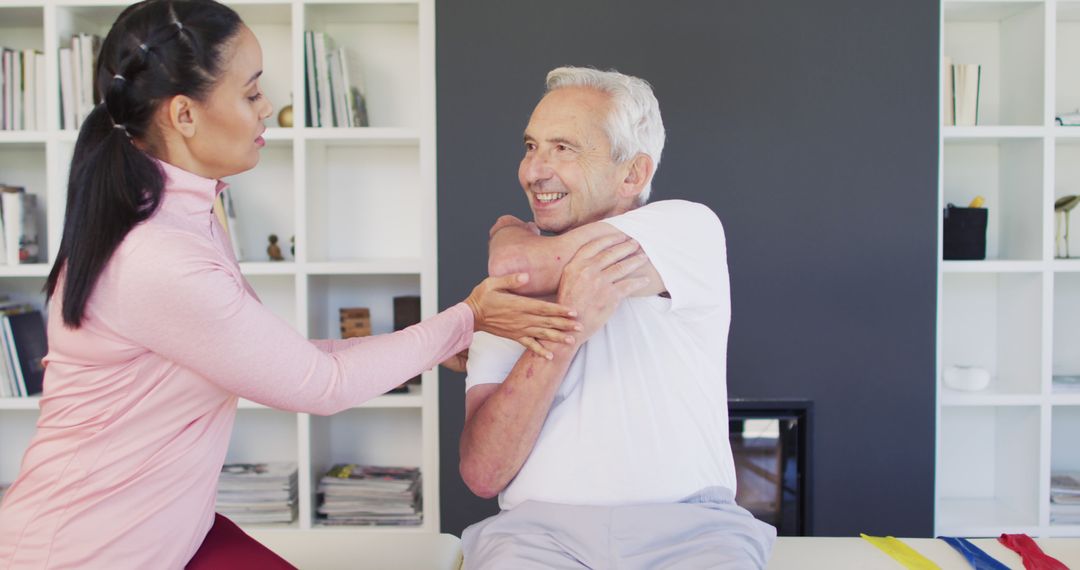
{"points": [[706, 530]]}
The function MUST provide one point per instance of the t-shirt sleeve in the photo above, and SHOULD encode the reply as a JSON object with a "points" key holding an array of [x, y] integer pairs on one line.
{"points": [[685, 243], [491, 358]]}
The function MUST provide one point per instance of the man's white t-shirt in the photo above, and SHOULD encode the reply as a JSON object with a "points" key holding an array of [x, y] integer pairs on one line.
{"points": [[641, 416]]}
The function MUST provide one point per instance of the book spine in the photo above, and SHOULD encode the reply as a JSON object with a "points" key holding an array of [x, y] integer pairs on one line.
{"points": [[29, 91], [39, 90], [12, 205], [10, 358], [67, 93], [326, 116]]}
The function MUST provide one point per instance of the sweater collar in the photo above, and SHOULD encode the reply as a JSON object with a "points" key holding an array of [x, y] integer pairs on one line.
{"points": [[189, 192]]}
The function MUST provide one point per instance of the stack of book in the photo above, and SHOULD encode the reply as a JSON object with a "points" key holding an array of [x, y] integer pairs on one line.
{"points": [[368, 495], [77, 93], [22, 90], [1065, 497], [258, 493], [333, 99], [22, 346]]}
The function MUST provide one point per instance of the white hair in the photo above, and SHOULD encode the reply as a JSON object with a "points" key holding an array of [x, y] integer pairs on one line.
{"points": [[634, 125]]}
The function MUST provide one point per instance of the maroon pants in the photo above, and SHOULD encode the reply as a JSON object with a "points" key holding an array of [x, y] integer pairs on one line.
{"points": [[228, 547]]}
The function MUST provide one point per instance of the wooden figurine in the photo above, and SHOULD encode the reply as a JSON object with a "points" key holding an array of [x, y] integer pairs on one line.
{"points": [[273, 250]]}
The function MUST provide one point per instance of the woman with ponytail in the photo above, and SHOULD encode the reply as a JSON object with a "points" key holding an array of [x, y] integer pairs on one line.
{"points": [[154, 333]]}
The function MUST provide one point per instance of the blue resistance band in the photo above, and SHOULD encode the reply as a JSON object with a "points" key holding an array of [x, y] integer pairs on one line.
{"points": [[978, 558]]}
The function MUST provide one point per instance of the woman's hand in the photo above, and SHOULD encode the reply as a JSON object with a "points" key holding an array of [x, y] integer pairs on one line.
{"points": [[498, 311]]}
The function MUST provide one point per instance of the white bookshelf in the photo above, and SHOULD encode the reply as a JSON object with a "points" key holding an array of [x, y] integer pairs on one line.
{"points": [[1016, 314], [360, 201]]}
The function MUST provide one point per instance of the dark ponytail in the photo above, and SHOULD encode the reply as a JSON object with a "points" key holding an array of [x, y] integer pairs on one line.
{"points": [[157, 49]]}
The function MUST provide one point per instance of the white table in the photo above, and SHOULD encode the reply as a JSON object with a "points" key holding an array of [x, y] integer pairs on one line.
{"points": [[333, 549], [825, 553]]}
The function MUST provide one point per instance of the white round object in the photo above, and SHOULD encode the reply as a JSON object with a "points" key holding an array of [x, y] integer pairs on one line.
{"points": [[967, 378]]}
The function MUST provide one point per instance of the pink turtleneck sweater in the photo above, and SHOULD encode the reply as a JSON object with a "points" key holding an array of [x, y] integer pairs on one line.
{"points": [[139, 401]]}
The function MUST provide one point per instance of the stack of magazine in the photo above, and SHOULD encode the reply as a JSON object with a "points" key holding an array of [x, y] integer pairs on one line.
{"points": [[258, 493], [1065, 497], [367, 495]]}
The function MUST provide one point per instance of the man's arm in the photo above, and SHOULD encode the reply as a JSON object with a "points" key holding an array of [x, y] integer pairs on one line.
{"points": [[518, 247], [502, 421]]}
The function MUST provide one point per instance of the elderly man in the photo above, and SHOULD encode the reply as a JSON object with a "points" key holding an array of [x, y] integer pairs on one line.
{"points": [[613, 452]]}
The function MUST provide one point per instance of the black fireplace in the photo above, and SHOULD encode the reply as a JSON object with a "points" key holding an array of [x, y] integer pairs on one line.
{"points": [[770, 440]]}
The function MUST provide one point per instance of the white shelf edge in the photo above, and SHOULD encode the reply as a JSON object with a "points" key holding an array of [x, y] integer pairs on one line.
{"points": [[30, 403], [950, 399], [1065, 399], [1067, 133], [1066, 265], [992, 266], [269, 268], [24, 137], [992, 132], [27, 270], [406, 265]]}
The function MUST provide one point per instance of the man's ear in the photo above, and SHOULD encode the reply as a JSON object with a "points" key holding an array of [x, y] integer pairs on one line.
{"points": [[639, 172], [182, 115]]}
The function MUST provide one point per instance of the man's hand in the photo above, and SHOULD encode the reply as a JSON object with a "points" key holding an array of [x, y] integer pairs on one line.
{"points": [[458, 362], [512, 221], [596, 280]]}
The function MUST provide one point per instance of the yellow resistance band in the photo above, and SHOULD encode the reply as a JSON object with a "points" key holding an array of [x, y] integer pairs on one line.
{"points": [[902, 553]]}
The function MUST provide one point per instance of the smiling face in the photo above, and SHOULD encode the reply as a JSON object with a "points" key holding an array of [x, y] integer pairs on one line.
{"points": [[567, 171], [229, 126]]}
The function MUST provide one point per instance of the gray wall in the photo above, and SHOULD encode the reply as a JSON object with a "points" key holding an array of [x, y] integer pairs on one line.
{"points": [[811, 129]]}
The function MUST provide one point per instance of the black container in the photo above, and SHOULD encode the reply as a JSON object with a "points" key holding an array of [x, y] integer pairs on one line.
{"points": [[965, 233]]}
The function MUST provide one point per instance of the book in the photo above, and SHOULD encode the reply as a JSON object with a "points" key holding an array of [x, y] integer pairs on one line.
{"points": [[29, 346], [39, 90], [7, 365], [67, 89], [88, 52], [6, 64], [17, 91], [337, 89], [947, 108], [966, 82], [19, 213], [311, 108], [11, 204], [29, 84], [322, 75], [76, 82]]}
